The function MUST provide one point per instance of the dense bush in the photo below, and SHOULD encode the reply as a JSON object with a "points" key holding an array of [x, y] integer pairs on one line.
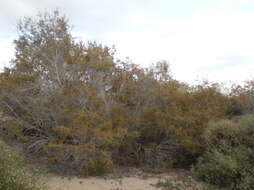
{"points": [[77, 107], [13, 174], [228, 157]]}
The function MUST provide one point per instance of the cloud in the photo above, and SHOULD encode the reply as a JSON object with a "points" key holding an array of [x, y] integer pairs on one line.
{"points": [[88, 15], [207, 40], [192, 44], [6, 51], [226, 62]]}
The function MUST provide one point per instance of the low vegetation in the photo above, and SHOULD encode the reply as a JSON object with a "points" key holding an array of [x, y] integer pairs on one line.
{"points": [[228, 158], [76, 106], [13, 174], [183, 183]]}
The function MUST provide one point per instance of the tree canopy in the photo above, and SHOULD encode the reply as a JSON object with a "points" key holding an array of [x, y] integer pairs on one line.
{"points": [[77, 106]]}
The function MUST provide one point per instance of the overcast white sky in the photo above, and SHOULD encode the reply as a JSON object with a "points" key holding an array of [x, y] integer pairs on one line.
{"points": [[212, 39]]}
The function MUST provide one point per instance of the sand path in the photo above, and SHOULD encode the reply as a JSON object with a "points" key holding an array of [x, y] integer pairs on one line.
{"points": [[136, 181], [125, 183]]}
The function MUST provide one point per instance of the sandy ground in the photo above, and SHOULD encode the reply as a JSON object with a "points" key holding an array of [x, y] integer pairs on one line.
{"points": [[125, 183], [134, 179]]}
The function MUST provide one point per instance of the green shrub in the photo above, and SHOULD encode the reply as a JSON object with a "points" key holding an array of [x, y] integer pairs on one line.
{"points": [[13, 174], [228, 157], [221, 136], [218, 169], [83, 160], [99, 164]]}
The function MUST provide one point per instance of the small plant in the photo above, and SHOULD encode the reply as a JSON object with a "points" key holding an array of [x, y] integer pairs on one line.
{"points": [[13, 174], [183, 183], [165, 185], [177, 184]]}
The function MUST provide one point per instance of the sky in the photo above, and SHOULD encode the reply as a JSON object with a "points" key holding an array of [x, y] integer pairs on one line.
{"points": [[201, 39]]}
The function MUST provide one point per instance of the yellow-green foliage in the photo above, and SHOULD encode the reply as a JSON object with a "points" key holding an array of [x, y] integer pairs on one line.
{"points": [[62, 132], [13, 174], [74, 104], [228, 157], [86, 142], [85, 159]]}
